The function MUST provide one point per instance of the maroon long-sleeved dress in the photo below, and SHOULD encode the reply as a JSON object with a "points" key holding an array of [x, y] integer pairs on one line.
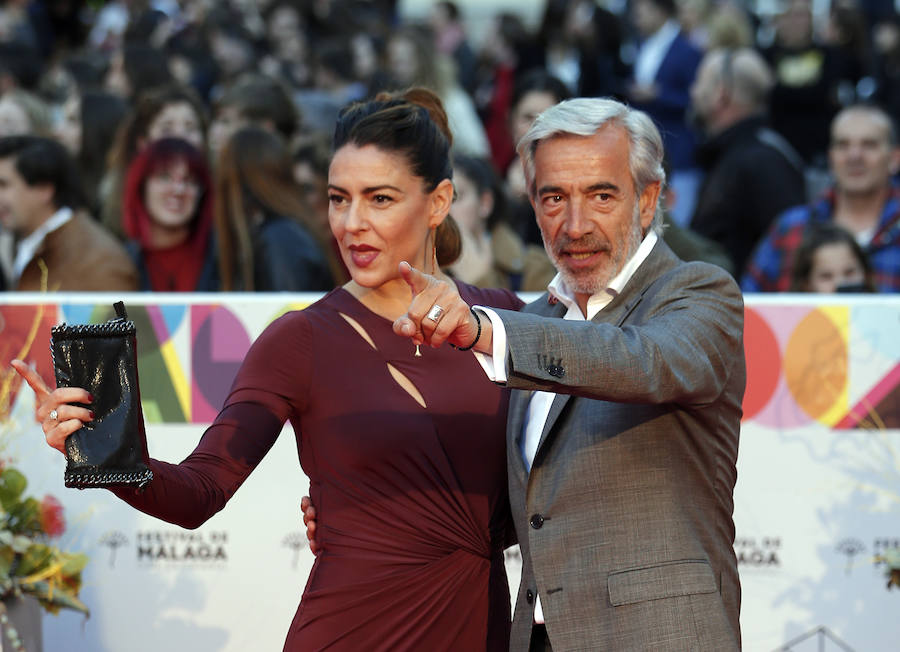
{"points": [[412, 501]]}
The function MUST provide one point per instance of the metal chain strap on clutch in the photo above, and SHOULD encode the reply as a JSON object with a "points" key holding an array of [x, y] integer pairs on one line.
{"points": [[111, 449]]}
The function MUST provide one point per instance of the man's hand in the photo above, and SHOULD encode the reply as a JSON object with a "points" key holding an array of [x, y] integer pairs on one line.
{"points": [[437, 313]]}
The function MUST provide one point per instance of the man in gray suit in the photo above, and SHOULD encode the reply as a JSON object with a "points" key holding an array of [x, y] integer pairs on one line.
{"points": [[623, 429]]}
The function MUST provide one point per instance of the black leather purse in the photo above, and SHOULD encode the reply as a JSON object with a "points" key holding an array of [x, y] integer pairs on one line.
{"points": [[110, 450]]}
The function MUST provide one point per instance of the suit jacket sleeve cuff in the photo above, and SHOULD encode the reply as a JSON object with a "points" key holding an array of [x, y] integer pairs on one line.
{"points": [[494, 365]]}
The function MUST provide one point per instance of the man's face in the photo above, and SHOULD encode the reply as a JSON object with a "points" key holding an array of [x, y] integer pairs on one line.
{"points": [[706, 86], [22, 207], [861, 156], [585, 203]]}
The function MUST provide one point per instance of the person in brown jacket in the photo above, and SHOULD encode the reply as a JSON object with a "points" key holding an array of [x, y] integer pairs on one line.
{"points": [[40, 202]]}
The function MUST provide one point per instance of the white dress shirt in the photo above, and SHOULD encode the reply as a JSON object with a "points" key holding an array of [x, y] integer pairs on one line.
{"points": [[29, 245], [652, 52], [539, 405]]}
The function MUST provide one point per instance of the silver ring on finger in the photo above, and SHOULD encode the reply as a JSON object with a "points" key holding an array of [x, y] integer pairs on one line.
{"points": [[435, 313], [54, 415]]}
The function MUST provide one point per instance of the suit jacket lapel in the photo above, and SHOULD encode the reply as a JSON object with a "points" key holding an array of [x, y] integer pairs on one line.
{"points": [[615, 313], [519, 399]]}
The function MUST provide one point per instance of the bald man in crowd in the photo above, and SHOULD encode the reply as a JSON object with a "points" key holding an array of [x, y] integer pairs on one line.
{"points": [[752, 173]]}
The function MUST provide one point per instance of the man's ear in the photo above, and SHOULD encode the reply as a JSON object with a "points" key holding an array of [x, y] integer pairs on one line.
{"points": [[647, 203], [46, 191]]}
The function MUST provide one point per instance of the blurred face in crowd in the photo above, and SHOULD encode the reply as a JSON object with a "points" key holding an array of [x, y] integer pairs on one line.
{"points": [[794, 26], [286, 32], [707, 87], [648, 17], [68, 131], [171, 195], [835, 265], [861, 156], [471, 208], [587, 208], [177, 120], [227, 121], [381, 215], [22, 207], [528, 108], [13, 119], [116, 80], [402, 63]]}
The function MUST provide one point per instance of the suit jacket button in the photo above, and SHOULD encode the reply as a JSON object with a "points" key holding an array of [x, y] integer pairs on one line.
{"points": [[529, 596], [537, 521]]}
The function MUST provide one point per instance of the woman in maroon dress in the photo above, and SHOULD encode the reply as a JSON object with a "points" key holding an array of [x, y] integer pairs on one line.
{"points": [[404, 448]]}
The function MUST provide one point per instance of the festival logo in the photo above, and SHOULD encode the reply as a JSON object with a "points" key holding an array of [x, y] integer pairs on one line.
{"points": [[180, 547], [296, 541], [763, 552], [850, 548], [113, 540]]}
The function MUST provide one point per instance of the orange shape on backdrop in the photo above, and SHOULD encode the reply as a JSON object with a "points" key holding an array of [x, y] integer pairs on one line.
{"points": [[16, 324], [815, 364], [763, 363]]}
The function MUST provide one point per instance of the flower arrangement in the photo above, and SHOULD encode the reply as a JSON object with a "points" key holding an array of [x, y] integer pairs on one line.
{"points": [[30, 562]]}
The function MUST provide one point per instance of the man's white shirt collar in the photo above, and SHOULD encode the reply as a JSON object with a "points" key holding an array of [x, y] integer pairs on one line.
{"points": [[494, 365], [29, 245], [597, 302]]}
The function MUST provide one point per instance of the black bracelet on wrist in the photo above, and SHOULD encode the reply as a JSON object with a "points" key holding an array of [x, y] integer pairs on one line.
{"points": [[477, 335]]}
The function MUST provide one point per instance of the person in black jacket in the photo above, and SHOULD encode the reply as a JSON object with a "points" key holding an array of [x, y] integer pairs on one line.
{"points": [[751, 173]]}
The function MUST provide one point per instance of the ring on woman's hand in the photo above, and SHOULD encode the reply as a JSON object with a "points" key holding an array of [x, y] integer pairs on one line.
{"points": [[435, 313], [54, 415]]}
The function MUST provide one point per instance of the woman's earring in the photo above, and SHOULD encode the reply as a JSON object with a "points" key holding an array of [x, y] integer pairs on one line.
{"points": [[433, 250]]}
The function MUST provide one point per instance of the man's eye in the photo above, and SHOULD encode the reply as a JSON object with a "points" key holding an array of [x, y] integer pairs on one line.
{"points": [[335, 199], [382, 199]]}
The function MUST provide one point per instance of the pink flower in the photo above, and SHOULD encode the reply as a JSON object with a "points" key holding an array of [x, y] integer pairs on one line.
{"points": [[52, 520]]}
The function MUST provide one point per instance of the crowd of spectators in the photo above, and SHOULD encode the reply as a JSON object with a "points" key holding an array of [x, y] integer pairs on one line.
{"points": [[183, 145]]}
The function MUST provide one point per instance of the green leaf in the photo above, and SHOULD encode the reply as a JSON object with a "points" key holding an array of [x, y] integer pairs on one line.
{"points": [[55, 598], [7, 556], [12, 484], [35, 558], [73, 563]]}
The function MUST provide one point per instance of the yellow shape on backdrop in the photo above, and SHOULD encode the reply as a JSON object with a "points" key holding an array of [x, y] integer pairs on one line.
{"points": [[816, 363]]}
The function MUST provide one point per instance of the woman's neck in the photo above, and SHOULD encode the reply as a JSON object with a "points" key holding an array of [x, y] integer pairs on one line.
{"points": [[162, 237], [389, 300]]}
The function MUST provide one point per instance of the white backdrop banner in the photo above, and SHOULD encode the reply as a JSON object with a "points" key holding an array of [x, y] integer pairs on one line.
{"points": [[818, 495]]}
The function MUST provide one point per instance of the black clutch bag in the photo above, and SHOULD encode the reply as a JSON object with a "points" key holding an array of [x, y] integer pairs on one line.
{"points": [[110, 450]]}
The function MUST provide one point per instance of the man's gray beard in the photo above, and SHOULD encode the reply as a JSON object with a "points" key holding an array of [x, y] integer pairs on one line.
{"points": [[599, 280]]}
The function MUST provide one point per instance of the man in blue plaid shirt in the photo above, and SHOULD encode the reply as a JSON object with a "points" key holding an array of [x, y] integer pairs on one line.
{"points": [[864, 158]]}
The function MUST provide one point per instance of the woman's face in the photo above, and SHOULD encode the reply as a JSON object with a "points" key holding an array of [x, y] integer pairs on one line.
{"points": [[835, 265], [402, 60], [68, 131], [171, 195], [177, 120], [532, 104], [471, 207], [381, 215], [116, 81]]}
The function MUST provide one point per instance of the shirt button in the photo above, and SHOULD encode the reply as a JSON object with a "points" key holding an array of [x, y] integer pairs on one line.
{"points": [[529, 596], [537, 521]]}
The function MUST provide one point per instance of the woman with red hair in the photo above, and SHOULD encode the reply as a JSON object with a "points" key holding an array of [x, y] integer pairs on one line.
{"points": [[168, 218]]}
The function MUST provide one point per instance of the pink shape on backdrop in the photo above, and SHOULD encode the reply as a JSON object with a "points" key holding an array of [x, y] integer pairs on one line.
{"points": [[862, 410], [782, 411], [159, 324], [219, 344]]}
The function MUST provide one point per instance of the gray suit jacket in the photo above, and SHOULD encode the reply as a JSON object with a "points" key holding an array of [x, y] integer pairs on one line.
{"points": [[625, 521]]}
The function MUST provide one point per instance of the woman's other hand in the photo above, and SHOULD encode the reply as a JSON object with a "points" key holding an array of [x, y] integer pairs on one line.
{"points": [[309, 520], [52, 409]]}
